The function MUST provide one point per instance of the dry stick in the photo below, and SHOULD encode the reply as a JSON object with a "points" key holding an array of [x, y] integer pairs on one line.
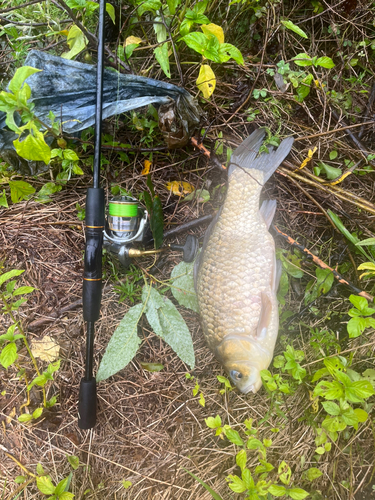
{"points": [[323, 265], [27, 4], [333, 131]]}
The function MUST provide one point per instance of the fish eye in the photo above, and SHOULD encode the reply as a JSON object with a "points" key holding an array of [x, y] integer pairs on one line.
{"points": [[235, 375]]}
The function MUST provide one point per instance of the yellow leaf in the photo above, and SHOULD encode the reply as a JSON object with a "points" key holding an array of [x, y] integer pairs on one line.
{"points": [[76, 41], [179, 188], [11, 415], [306, 160], [46, 349], [147, 165], [132, 39], [206, 81], [64, 32], [213, 29]]}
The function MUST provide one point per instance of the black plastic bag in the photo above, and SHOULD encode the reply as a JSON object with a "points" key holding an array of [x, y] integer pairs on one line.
{"points": [[68, 89]]}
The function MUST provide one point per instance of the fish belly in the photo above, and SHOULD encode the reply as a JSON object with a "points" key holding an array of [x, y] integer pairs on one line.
{"points": [[237, 265]]}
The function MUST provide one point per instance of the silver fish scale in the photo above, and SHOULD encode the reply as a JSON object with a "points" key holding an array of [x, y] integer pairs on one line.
{"points": [[237, 265]]}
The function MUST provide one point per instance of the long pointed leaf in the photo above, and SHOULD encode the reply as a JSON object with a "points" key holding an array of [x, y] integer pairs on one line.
{"points": [[213, 493]]}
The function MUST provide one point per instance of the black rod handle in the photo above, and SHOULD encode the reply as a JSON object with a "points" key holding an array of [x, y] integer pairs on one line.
{"points": [[87, 404]]}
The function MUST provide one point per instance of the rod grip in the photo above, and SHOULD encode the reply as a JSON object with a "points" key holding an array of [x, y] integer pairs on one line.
{"points": [[87, 404], [92, 277]]}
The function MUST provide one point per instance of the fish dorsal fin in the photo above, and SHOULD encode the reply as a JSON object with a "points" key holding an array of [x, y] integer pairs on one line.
{"points": [[265, 316], [267, 211]]}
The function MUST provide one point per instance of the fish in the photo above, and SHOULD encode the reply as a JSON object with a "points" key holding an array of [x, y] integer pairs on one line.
{"points": [[236, 274]]}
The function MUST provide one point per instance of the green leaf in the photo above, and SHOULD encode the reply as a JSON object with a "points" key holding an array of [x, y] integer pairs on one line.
{"points": [[207, 46], [3, 200], [313, 473], [330, 390], [213, 493], [47, 190], [361, 390], [241, 459], [367, 241], [331, 172], [234, 437], [277, 490], [126, 484], [156, 222], [76, 41], [302, 59], [111, 12], [66, 496], [149, 5], [324, 62], [291, 26], [74, 461], [8, 355], [23, 290], [40, 470], [355, 327], [228, 51], [331, 408], [10, 274], [237, 485], [362, 415], [37, 413], [297, 493], [161, 54], [183, 289], [20, 76], [151, 367], [20, 479], [61, 487], [123, 345], [213, 423], [168, 323], [25, 417], [20, 190], [359, 302], [33, 147], [45, 485]]}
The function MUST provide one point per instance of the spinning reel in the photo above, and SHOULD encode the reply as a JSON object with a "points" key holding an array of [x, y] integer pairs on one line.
{"points": [[127, 224]]}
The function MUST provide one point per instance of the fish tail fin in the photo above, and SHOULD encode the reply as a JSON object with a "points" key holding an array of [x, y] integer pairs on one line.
{"points": [[245, 155]]}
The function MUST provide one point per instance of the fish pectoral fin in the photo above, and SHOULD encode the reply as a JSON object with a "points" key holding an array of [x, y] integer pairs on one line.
{"points": [[267, 211], [265, 316], [277, 270]]}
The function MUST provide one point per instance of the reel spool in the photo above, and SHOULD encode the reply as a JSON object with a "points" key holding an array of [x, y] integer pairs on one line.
{"points": [[127, 223]]}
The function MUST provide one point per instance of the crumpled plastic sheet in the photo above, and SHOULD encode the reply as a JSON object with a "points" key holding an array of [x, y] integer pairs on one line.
{"points": [[68, 89]]}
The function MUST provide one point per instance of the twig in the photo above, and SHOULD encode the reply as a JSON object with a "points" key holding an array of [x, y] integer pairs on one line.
{"points": [[370, 102], [22, 6], [333, 131], [323, 265], [31, 25], [207, 153]]}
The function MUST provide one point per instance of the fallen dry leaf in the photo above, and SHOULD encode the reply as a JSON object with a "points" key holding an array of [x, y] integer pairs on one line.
{"points": [[179, 188], [45, 349]]}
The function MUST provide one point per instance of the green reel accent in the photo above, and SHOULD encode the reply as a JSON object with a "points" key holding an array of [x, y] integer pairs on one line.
{"points": [[123, 209]]}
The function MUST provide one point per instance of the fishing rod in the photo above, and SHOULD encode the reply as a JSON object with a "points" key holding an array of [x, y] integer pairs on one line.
{"points": [[94, 221]]}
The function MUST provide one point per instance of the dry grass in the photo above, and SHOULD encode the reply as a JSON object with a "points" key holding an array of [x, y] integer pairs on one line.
{"points": [[149, 424]]}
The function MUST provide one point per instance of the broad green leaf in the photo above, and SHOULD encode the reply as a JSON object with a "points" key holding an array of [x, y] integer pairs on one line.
{"points": [[355, 327], [111, 12], [74, 461], [23, 290], [254, 444], [368, 241], [126, 484], [331, 172], [168, 323], [20, 76], [234, 437], [8, 354], [304, 88], [324, 62], [25, 417], [362, 415], [277, 490], [362, 389], [47, 190], [302, 59], [151, 367], [291, 26], [69, 154], [3, 200], [172, 4], [10, 274], [330, 390], [237, 485], [123, 345], [297, 493], [20, 479], [331, 408], [213, 423], [207, 46], [160, 30], [40, 470], [359, 302], [45, 485], [20, 190], [149, 5], [206, 81], [202, 195], [214, 29], [183, 285], [241, 459], [228, 51], [161, 54], [33, 147], [76, 41], [62, 486], [313, 473], [213, 493], [37, 413], [66, 495]]}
